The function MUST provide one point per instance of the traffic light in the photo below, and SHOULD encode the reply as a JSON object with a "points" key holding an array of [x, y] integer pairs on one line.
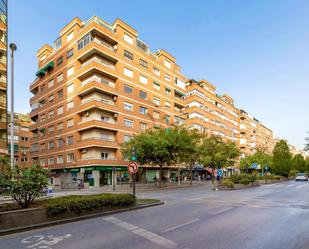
{"points": [[133, 158]]}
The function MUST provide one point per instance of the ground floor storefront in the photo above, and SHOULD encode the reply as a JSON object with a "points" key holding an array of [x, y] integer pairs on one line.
{"points": [[100, 176]]}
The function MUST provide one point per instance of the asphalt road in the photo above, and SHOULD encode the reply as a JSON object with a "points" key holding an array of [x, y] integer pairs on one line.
{"points": [[272, 216]]}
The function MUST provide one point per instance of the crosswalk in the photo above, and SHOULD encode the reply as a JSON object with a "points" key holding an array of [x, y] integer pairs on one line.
{"points": [[285, 186]]}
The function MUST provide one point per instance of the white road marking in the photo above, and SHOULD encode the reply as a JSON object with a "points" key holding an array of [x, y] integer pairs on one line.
{"points": [[222, 210], [181, 225], [279, 185], [39, 241], [300, 186], [289, 185], [155, 238]]}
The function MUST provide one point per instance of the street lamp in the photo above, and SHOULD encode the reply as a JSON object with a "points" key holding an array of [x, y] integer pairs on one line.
{"points": [[13, 48]]}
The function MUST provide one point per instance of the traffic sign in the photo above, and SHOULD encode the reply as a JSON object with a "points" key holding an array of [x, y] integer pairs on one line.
{"points": [[132, 168], [219, 172]]}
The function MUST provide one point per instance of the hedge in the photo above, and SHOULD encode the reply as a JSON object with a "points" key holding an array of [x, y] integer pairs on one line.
{"points": [[227, 183], [243, 179], [78, 203]]}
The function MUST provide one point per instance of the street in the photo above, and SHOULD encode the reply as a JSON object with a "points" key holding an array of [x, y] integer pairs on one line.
{"points": [[270, 216]]}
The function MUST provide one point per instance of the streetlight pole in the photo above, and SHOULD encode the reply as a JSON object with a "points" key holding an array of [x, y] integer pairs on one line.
{"points": [[13, 48]]}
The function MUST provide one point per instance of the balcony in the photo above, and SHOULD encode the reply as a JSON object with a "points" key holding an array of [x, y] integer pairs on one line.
{"points": [[100, 65], [99, 161], [97, 142], [100, 103], [97, 123]]}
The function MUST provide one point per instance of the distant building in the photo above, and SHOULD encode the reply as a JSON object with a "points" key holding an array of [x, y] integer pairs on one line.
{"points": [[22, 139]]}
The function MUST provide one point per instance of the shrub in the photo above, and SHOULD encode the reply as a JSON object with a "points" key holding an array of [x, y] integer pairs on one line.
{"points": [[78, 204], [235, 178], [228, 184], [243, 179]]}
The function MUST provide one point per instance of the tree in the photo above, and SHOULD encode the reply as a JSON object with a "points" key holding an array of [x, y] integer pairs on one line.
{"points": [[258, 157], [281, 159], [183, 146], [298, 163], [25, 185], [215, 153], [152, 148]]}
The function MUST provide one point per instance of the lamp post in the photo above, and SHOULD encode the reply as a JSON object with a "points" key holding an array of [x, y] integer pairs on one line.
{"points": [[13, 48]]}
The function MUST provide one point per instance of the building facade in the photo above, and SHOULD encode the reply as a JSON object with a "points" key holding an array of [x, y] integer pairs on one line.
{"points": [[22, 139], [98, 86], [3, 78], [209, 112]]}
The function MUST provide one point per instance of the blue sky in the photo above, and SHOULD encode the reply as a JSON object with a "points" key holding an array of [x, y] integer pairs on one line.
{"points": [[256, 51]]}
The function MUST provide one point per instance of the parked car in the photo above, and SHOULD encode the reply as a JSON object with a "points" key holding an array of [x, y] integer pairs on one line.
{"points": [[301, 177]]}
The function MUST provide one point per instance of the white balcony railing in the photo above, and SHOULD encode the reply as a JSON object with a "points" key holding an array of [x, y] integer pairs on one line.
{"points": [[100, 61], [102, 100], [98, 79]]}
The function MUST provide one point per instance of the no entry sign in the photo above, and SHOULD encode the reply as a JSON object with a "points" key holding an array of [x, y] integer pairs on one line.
{"points": [[132, 168]]}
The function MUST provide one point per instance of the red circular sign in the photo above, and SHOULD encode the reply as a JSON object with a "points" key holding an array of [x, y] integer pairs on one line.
{"points": [[132, 168]]}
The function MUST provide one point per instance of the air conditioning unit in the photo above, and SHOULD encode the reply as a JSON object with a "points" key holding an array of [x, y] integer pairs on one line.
{"points": [[84, 151], [115, 47], [115, 98], [115, 115], [87, 114]]}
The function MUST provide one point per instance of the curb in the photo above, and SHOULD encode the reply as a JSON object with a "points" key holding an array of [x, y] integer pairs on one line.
{"points": [[83, 217]]}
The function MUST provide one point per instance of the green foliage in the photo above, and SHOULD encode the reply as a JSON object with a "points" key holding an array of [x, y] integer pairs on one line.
{"points": [[216, 153], [243, 178], [259, 157], [298, 163], [78, 204], [281, 159], [227, 183], [293, 172], [25, 185]]}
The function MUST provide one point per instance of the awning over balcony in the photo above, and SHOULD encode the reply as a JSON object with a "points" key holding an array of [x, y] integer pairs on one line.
{"points": [[179, 92], [48, 66]]}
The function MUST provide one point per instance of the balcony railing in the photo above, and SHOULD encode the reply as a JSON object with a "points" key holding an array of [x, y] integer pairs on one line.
{"points": [[98, 79], [98, 138], [104, 43], [102, 100], [96, 158], [100, 61], [96, 119]]}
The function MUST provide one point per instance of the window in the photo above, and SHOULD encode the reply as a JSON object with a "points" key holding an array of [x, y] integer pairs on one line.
{"points": [[128, 123], [70, 105], [156, 85], [143, 126], [60, 93], [70, 88], [143, 79], [70, 71], [167, 119], [51, 98], [167, 77], [60, 159], [50, 83], [60, 142], [70, 36], [59, 60], [60, 126], [128, 89], [51, 114], [167, 104], [127, 138], [128, 72], [142, 95], [43, 162], [167, 91], [51, 129], [128, 39], [84, 41], [143, 110], [60, 110], [167, 64], [70, 140], [156, 101], [24, 159], [51, 160], [58, 43], [70, 53], [104, 118], [156, 115], [128, 106], [104, 155], [143, 63], [128, 55], [51, 145], [60, 78], [70, 157], [42, 147], [156, 71], [70, 122]]}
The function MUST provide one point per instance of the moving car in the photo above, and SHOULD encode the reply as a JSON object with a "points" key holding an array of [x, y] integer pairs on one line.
{"points": [[301, 177]]}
